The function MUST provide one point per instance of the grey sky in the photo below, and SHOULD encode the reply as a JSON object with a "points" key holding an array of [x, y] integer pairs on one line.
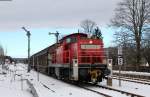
{"points": [[54, 13], [42, 16]]}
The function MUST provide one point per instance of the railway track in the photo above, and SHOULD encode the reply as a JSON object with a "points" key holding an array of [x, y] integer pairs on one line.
{"points": [[121, 91], [133, 76], [141, 81], [81, 85], [102, 94], [86, 87], [117, 90]]}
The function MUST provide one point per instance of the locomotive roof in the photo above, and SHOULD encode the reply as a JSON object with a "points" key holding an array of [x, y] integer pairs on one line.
{"points": [[74, 34]]}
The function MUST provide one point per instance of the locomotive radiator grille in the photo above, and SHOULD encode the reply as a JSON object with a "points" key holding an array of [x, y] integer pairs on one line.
{"points": [[91, 56], [90, 59]]}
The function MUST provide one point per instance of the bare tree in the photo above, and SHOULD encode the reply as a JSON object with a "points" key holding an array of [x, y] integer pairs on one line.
{"points": [[133, 16], [123, 38], [88, 26]]}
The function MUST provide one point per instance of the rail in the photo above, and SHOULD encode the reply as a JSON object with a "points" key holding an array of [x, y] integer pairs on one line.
{"points": [[109, 88], [121, 91], [140, 76], [95, 91], [141, 81], [102, 94]]}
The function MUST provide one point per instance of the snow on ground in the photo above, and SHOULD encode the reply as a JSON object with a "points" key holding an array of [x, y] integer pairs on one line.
{"points": [[55, 88], [58, 88], [10, 85], [136, 88]]}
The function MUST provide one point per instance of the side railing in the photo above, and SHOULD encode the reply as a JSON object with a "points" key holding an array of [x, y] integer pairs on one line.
{"points": [[33, 90]]}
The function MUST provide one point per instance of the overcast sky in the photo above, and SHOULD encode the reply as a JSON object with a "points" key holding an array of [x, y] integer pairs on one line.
{"points": [[52, 14]]}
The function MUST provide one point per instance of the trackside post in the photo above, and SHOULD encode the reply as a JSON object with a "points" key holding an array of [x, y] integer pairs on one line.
{"points": [[109, 80], [120, 62]]}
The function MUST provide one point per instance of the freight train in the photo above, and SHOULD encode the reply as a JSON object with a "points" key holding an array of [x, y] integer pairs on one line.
{"points": [[75, 57]]}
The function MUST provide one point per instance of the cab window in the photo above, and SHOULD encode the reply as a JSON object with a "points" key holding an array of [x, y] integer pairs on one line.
{"points": [[71, 40]]}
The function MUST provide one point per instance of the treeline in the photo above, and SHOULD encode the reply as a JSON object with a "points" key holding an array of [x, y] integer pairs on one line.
{"points": [[132, 25]]}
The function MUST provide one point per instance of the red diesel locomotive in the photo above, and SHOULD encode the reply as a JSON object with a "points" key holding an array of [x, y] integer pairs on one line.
{"points": [[76, 57]]}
